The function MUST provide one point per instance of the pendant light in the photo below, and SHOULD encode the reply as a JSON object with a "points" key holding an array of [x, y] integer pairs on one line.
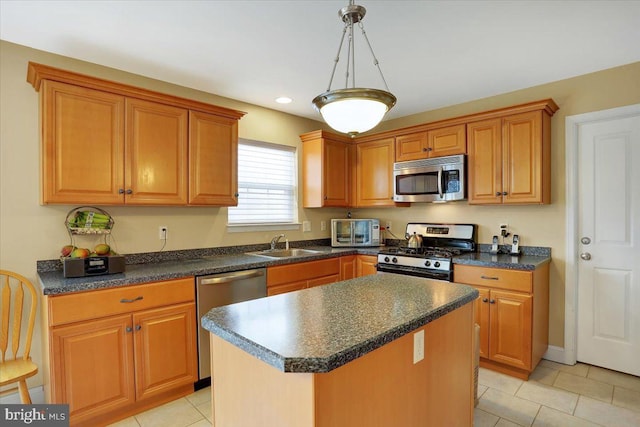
{"points": [[353, 110]]}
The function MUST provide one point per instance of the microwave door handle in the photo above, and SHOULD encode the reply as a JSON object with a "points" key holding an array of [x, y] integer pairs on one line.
{"points": [[440, 175]]}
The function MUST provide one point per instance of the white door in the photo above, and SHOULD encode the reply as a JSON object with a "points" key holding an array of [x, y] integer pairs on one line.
{"points": [[608, 327]]}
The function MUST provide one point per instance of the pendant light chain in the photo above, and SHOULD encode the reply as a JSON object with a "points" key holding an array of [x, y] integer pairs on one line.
{"points": [[375, 60]]}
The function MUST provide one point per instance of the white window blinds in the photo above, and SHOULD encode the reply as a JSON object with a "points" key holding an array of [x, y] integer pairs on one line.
{"points": [[266, 184]]}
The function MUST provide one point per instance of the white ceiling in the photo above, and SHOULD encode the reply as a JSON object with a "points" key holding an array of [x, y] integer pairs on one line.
{"points": [[432, 53]]}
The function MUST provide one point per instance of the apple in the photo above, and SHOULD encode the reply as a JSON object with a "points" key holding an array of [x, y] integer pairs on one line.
{"points": [[102, 249], [80, 253], [66, 250]]}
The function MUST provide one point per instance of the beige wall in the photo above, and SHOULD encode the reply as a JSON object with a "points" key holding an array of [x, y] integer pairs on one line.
{"points": [[30, 232]]}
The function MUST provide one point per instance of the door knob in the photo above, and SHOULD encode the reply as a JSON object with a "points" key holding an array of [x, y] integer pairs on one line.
{"points": [[585, 240], [585, 256]]}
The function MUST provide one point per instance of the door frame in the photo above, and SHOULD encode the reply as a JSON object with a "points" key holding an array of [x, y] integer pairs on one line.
{"points": [[572, 135]]}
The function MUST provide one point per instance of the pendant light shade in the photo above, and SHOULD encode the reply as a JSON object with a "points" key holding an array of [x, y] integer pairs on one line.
{"points": [[353, 110]]}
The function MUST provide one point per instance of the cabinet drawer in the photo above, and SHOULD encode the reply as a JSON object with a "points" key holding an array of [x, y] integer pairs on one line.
{"points": [[108, 302], [302, 271], [499, 278]]}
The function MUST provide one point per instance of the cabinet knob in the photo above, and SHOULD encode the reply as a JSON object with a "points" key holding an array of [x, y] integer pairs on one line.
{"points": [[425, 149], [129, 329], [129, 191], [429, 149], [492, 301], [138, 327], [120, 190], [485, 299], [498, 193], [504, 193], [236, 195]]}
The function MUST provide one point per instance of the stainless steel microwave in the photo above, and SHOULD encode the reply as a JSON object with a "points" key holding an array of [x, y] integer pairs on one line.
{"points": [[355, 232], [440, 179]]}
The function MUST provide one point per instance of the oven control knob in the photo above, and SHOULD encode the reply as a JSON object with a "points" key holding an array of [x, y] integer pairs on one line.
{"points": [[386, 259], [427, 263], [436, 264], [395, 260]]}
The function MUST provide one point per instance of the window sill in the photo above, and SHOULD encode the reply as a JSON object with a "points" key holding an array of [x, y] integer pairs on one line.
{"points": [[242, 228]]}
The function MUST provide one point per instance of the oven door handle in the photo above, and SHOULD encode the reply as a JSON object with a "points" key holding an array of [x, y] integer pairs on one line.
{"points": [[440, 176]]}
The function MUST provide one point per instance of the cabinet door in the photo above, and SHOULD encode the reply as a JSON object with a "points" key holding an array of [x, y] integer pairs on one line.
{"points": [[374, 169], [510, 328], [366, 265], [348, 267], [481, 310], [213, 160], [92, 366], [156, 154], [82, 145], [414, 146], [485, 162], [336, 174], [447, 141], [165, 349], [522, 168]]}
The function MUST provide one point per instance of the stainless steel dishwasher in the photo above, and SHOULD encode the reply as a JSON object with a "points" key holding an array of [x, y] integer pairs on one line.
{"points": [[216, 290]]}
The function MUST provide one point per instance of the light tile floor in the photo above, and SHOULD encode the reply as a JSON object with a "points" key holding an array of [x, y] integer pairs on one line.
{"points": [[556, 395]]}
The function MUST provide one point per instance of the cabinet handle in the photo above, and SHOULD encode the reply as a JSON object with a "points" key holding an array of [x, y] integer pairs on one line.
{"points": [[485, 299], [492, 301], [126, 301], [128, 329], [129, 191], [138, 327], [489, 277]]}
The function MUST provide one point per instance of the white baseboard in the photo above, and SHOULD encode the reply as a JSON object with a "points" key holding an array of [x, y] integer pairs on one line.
{"points": [[36, 393], [555, 354]]}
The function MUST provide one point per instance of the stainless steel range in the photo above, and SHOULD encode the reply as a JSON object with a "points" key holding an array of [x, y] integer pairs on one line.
{"points": [[440, 242]]}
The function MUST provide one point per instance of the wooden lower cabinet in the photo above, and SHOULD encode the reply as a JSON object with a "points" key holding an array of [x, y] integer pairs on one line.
{"points": [[302, 275], [513, 314], [366, 265], [352, 266], [111, 367]]}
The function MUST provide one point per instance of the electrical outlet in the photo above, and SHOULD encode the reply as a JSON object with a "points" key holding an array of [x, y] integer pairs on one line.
{"points": [[418, 346], [388, 225], [323, 225], [306, 226], [163, 232]]}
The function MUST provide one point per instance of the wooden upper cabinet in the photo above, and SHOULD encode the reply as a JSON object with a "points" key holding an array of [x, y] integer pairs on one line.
{"points": [[109, 143], [374, 173], [509, 159], [213, 160], [82, 145], [156, 154], [326, 170], [446, 141]]}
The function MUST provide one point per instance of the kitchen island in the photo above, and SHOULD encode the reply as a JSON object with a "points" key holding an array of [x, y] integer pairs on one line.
{"points": [[378, 351]]}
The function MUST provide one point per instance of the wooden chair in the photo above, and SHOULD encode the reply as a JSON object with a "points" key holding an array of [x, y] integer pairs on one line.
{"points": [[12, 367]]}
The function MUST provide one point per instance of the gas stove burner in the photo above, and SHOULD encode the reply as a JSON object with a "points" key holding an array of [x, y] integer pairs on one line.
{"points": [[441, 242], [441, 252]]}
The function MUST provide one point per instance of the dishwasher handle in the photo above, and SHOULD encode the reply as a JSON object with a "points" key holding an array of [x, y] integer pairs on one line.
{"points": [[232, 277]]}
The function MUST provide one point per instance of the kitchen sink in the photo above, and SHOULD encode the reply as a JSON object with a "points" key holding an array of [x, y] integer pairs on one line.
{"points": [[284, 253]]}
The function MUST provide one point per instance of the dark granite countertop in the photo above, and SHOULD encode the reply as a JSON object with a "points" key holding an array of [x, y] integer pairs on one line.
{"points": [[485, 259], [144, 268], [322, 328], [54, 283]]}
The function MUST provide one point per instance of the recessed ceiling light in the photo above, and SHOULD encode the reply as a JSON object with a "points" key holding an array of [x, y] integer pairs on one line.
{"points": [[284, 100]]}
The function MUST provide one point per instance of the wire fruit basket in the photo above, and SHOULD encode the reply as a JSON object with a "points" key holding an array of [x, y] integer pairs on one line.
{"points": [[88, 220]]}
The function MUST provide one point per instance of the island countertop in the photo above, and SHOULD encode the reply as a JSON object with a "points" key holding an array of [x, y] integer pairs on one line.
{"points": [[322, 328]]}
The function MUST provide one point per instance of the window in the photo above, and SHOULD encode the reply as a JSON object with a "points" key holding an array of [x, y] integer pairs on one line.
{"points": [[266, 185]]}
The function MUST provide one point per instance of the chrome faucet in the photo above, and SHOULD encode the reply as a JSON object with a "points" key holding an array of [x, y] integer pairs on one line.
{"points": [[274, 241]]}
